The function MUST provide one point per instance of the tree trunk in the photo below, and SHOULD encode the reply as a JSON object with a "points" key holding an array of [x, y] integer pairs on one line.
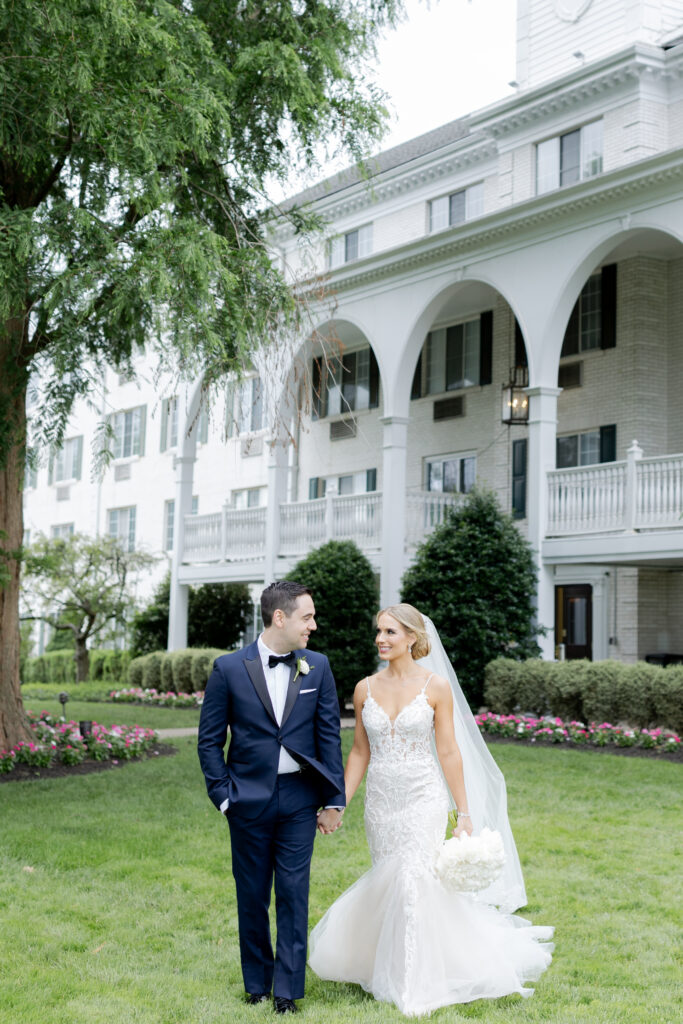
{"points": [[13, 722], [82, 659]]}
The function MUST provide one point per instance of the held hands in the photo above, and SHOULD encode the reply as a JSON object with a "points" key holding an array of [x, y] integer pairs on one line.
{"points": [[329, 820]]}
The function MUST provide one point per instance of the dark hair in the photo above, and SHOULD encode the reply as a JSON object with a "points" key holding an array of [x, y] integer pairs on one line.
{"points": [[283, 595]]}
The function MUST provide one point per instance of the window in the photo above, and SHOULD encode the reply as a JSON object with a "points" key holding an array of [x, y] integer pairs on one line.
{"points": [[587, 448], [248, 497], [62, 530], [121, 524], [169, 423], [66, 465], [129, 432], [451, 473], [456, 208], [169, 520], [349, 383], [455, 357], [354, 245], [519, 478], [351, 483], [566, 159], [245, 407], [593, 320]]}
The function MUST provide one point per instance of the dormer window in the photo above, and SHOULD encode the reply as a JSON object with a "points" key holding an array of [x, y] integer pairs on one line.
{"points": [[457, 207], [354, 245], [566, 159]]}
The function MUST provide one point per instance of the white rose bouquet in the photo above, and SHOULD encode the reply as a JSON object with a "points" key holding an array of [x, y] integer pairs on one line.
{"points": [[471, 863]]}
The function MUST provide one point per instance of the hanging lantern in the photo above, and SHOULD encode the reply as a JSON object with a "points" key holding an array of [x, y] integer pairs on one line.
{"points": [[515, 399]]}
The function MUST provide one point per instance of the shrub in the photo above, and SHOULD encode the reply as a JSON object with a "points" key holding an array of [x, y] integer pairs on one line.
{"points": [[641, 695], [136, 671], [109, 666], [56, 667], [181, 666], [217, 617], [151, 670], [166, 671], [475, 577], [346, 601], [202, 663]]}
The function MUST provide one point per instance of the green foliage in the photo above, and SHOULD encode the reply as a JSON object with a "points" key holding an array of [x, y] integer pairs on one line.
{"points": [[55, 667], [475, 578], [110, 666], [346, 600], [217, 617], [185, 671], [641, 695], [217, 614], [80, 585]]}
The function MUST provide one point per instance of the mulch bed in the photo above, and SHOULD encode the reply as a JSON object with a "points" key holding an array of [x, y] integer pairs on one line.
{"points": [[25, 772], [651, 752]]}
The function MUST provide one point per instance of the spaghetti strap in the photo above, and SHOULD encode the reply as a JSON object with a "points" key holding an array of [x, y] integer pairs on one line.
{"points": [[427, 683], [367, 683]]}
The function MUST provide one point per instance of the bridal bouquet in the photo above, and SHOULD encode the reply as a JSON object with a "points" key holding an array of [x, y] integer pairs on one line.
{"points": [[470, 863]]}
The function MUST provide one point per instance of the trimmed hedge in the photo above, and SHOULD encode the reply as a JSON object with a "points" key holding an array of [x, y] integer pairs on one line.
{"points": [[185, 671], [589, 691], [110, 666], [55, 667]]}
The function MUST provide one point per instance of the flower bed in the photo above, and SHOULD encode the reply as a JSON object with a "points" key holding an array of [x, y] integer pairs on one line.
{"points": [[555, 730], [168, 699], [58, 741]]}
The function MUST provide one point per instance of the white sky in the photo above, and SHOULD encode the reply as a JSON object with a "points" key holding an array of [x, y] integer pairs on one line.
{"points": [[446, 59]]}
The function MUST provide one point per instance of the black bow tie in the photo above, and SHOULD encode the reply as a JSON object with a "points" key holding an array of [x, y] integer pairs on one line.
{"points": [[285, 659]]}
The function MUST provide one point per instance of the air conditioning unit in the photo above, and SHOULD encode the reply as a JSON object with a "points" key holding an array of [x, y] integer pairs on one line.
{"points": [[570, 375], [123, 471], [449, 408], [63, 493], [251, 446], [341, 429]]}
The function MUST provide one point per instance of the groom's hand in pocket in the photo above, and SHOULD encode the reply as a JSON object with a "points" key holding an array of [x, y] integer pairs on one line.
{"points": [[329, 820]]}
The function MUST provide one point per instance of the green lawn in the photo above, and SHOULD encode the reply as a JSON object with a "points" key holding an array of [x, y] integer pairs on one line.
{"points": [[110, 714], [117, 907]]}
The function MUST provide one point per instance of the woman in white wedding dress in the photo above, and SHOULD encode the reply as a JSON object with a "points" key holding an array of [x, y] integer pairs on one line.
{"points": [[397, 931]]}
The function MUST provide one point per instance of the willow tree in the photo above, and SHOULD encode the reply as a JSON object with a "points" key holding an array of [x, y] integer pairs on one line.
{"points": [[136, 142]]}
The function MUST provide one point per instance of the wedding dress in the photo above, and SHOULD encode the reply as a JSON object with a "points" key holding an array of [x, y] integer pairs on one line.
{"points": [[397, 931]]}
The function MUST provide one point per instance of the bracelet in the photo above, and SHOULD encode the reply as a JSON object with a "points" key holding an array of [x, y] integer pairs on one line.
{"points": [[463, 814]]}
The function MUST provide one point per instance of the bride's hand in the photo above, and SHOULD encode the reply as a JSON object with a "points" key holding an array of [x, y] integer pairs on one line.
{"points": [[464, 825]]}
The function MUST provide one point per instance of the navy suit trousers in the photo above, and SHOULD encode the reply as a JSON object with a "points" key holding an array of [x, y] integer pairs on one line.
{"points": [[278, 845]]}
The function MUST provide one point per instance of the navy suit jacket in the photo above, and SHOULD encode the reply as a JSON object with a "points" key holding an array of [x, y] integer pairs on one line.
{"points": [[237, 698]]}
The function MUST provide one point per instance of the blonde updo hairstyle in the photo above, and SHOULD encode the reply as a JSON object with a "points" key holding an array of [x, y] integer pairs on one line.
{"points": [[412, 621]]}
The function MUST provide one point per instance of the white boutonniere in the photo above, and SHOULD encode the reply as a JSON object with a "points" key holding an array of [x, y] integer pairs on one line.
{"points": [[302, 668]]}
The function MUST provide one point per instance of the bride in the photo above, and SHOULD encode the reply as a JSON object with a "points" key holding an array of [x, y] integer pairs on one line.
{"points": [[397, 931]]}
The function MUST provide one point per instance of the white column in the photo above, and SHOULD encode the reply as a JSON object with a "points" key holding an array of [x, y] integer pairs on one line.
{"points": [[633, 457], [392, 562], [177, 617], [277, 495], [541, 458]]}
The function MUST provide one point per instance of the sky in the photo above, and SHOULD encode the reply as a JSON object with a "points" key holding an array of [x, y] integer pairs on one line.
{"points": [[446, 59]]}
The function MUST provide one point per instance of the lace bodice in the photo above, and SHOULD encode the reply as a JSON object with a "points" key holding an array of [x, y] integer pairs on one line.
{"points": [[406, 736]]}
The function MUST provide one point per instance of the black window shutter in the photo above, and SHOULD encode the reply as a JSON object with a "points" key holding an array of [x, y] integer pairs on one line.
{"points": [[570, 345], [609, 306], [486, 347], [519, 478], [416, 389], [374, 381], [371, 480], [520, 347], [313, 488], [608, 443], [318, 397]]}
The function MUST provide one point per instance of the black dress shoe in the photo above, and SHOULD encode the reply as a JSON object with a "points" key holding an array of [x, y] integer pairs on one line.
{"points": [[252, 998], [284, 1005]]}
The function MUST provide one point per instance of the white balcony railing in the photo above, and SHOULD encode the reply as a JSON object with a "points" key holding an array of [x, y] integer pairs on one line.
{"points": [[234, 535], [633, 495]]}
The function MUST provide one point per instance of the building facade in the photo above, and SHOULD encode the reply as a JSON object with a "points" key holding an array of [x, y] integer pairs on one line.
{"points": [[535, 242]]}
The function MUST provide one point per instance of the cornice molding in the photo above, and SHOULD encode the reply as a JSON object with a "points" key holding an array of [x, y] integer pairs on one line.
{"points": [[457, 244]]}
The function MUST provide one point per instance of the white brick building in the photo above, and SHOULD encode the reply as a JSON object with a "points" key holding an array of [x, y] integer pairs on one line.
{"points": [[542, 237]]}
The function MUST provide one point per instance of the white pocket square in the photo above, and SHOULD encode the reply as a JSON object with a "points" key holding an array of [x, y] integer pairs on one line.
{"points": [[307, 691]]}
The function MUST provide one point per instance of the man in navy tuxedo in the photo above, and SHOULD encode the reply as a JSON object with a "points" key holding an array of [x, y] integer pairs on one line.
{"points": [[284, 763]]}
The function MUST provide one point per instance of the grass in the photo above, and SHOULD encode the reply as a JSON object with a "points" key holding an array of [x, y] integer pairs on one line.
{"points": [[110, 714], [117, 905]]}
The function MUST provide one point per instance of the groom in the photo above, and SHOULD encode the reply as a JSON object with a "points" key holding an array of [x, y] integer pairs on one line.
{"points": [[284, 762]]}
